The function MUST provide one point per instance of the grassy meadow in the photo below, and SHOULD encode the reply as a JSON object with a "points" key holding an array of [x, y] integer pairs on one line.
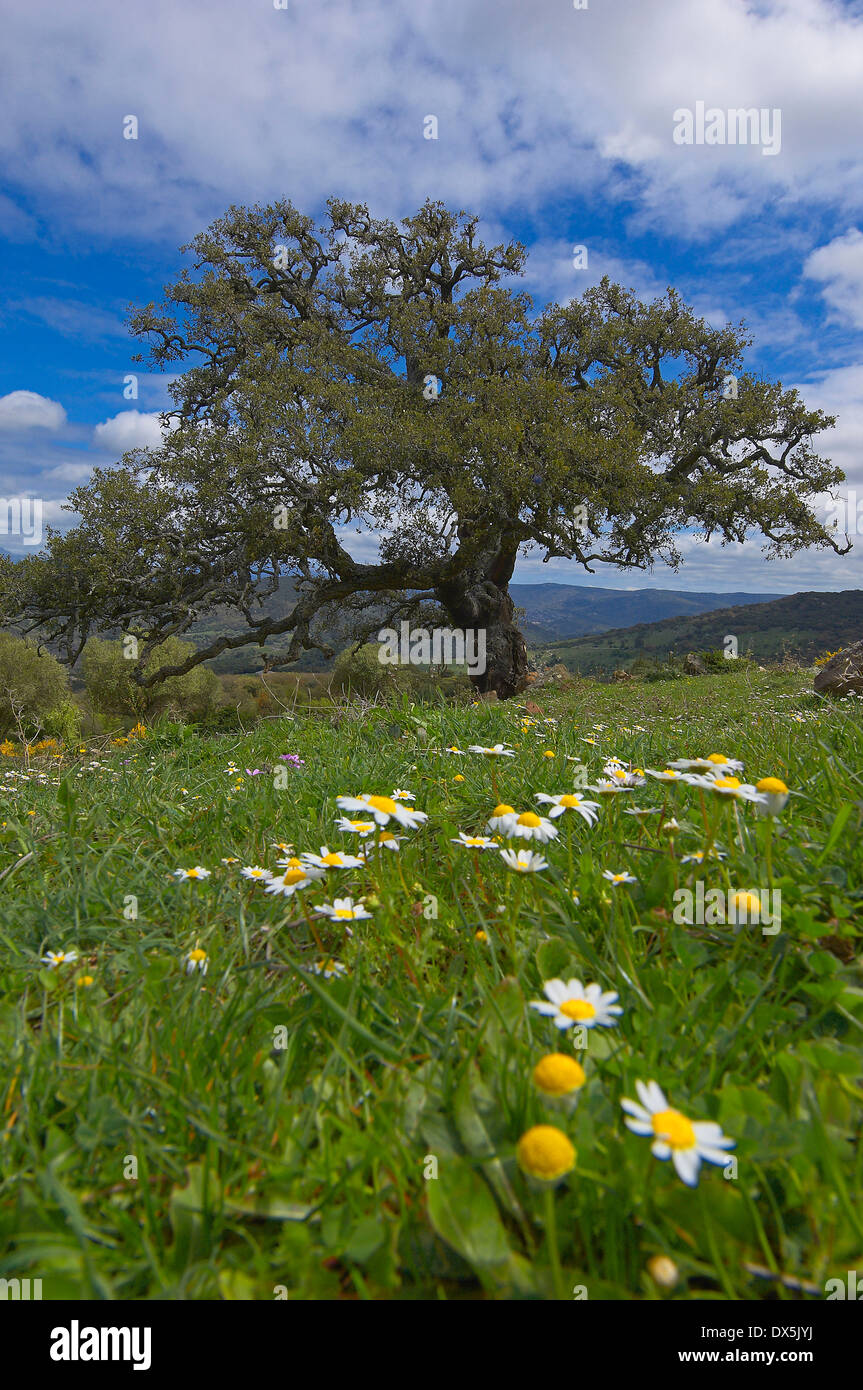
{"points": [[227, 1094]]}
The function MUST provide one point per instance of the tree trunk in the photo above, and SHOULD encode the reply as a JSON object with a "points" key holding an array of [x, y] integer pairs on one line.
{"points": [[481, 602]]}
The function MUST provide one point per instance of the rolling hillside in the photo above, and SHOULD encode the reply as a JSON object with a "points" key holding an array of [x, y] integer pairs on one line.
{"points": [[558, 611], [803, 625]]}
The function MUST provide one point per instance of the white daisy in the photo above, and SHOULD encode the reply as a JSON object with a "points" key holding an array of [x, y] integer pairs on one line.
{"points": [[293, 862], [386, 840], [54, 958], [632, 777], [571, 1002], [773, 795], [685, 1142], [524, 861], [255, 872], [355, 827], [530, 826], [715, 762], [474, 841], [400, 795], [501, 819], [331, 859], [698, 856], [569, 801], [197, 960], [605, 787], [329, 969], [498, 751], [724, 785], [384, 809], [668, 774], [196, 873], [618, 878], [343, 910], [291, 880]]}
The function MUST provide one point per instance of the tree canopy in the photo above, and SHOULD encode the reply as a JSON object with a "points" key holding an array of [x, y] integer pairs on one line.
{"points": [[376, 412]]}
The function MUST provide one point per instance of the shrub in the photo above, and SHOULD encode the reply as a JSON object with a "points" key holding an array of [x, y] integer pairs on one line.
{"points": [[112, 691], [359, 672], [34, 692]]}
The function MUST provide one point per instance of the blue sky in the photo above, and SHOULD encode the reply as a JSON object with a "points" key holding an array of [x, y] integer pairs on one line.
{"points": [[554, 124]]}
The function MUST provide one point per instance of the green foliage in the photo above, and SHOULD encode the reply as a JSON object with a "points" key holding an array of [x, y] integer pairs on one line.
{"points": [[34, 692], [111, 689], [358, 671]]}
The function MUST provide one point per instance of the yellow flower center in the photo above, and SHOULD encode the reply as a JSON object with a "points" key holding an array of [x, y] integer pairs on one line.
{"points": [[383, 803], [558, 1074], [730, 782], [772, 785], [530, 819], [545, 1153], [85, 980], [577, 1009], [674, 1128], [344, 912], [332, 859], [197, 954], [503, 810], [569, 800], [294, 875], [717, 758]]}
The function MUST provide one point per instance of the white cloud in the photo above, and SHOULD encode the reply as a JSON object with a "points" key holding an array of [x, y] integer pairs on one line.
{"points": [[131, 429], [531, 101], [25, 410], [838, 267]]}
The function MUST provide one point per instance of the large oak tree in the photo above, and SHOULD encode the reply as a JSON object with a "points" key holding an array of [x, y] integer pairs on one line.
{"points": [[364, 377]]}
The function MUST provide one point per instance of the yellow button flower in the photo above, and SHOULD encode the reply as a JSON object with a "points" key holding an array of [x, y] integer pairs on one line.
{"points": [[545, 1154], [558, 1075]]}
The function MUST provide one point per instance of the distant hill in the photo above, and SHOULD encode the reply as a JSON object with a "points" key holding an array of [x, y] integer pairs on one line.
{"points": [[556, 611], [803, 625]]}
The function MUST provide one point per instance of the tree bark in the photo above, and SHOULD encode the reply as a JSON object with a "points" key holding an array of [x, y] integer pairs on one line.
{"points": [[481, 601]]}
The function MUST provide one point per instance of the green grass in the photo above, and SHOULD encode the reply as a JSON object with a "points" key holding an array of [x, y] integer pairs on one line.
{"points": [[283, 1126]]}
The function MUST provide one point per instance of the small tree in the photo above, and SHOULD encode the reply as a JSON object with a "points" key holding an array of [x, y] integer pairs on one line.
{"points": [[34, 692], [359, 672], [112, 689]]}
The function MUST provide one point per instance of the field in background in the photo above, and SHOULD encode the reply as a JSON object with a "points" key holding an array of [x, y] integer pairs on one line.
{"points": [[262, 1131]]}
